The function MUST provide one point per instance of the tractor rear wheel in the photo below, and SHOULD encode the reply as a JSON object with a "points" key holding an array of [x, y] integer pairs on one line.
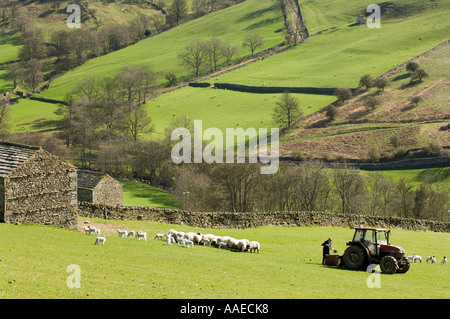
{"points": [[388, 265], [354, 257]]}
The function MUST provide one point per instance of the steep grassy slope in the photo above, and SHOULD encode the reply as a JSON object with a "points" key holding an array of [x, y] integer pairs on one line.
{"points": [[160, 52]]}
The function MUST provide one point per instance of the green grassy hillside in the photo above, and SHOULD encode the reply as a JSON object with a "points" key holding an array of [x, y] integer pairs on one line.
{"points": [[34, 265], [160, 52]]}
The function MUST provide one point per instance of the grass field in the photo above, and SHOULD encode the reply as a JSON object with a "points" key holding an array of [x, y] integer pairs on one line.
{"points": [[140, 194], [34, 265]]}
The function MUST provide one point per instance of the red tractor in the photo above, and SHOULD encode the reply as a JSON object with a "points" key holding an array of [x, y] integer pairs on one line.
{"points": [[371, 246]]}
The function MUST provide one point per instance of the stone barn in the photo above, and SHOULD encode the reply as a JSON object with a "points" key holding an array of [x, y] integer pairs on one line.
{"points": [[36, 187], [99, 188]]}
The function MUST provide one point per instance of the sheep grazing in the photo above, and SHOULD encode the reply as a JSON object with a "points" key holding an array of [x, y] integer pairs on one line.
{"points": [[411, 258], [232, 244], [198, 238], [243, 245], [122, 233], [417, 257], [160, 236], [189, 243], [91, 230], [189, 236], [100, 240], [181, 241], [223, 245], [130, 234], [141, 235], [254, 246], [206, 242], [444, 261]]}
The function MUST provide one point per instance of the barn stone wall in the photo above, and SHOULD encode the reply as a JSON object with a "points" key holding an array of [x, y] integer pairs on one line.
{"points": [[109, 192], [43, 190], [255, 219]]}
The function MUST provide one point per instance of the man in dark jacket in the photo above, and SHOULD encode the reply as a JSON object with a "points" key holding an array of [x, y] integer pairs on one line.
{"points": [[326, 249]]}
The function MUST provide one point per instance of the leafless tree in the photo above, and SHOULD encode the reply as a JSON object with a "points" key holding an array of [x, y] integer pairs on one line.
{"points": [[253, 41], [194, 55]]}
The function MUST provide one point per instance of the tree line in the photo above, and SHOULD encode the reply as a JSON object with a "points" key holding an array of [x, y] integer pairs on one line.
{"points": [[310, 186], [200, 55]]}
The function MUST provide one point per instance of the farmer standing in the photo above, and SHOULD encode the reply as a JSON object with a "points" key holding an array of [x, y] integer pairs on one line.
{"points": [[326, 249]]}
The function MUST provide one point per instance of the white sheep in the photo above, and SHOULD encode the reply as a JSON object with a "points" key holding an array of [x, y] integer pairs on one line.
{"points": [[410, 258], [417, 257], [100, 240], [170, 240], [181, 241], [130, 234], [243, 244], [254, 246], [431, 258], [188, 243], [141, 235], [87, 230], [189, 236], [232, 243], [223, 245], [122, 233], [198, 238], [206, 242], [444, 261], [160, 236]]}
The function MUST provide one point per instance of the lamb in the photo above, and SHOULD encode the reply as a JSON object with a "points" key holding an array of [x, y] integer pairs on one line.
{"points": [[181, 241], [188, 243], [91, 230], [444, 260], [417, 257], [206, 242], [254, 246], [130, 234], [160, 236], [410, 258], [122, 233], [141, 234], [87, 230], [100, 240], [223, 245], [170, 240], [431, 258]]}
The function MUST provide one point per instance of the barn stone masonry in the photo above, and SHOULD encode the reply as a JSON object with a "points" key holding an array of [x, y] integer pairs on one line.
{"points": [[36, 187], [99, 188], [256, 219]]}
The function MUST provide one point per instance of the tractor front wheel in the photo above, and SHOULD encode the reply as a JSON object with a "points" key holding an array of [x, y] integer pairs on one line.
{"points": [[388, 265], [354, 257]]}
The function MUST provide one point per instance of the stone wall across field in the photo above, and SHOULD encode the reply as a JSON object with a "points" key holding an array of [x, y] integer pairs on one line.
{"points": [[255, 219]]}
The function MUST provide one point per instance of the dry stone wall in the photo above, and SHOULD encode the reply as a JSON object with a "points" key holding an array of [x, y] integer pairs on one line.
{"points": [[255, 219], [43, 191]]}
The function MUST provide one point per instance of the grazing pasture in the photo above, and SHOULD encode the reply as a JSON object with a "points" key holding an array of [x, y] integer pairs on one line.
{"points": [[34, 261]]}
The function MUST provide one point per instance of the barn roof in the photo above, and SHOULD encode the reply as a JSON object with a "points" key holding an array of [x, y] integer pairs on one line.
{"points": [[14, 155], [89, 179]]}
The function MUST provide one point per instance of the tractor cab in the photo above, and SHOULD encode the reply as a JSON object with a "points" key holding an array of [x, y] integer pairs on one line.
{"points": [[372, 238]]}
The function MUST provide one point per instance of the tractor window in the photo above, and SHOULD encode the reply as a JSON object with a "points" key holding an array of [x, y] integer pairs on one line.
{"points": [[382, 238], [359, 235], [369, 237]]}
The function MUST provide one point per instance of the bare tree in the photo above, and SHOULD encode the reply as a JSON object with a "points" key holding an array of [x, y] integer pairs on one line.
{"points": [[348, 184], [33, 75], [229, 50], [253, 41], [194, 55]]}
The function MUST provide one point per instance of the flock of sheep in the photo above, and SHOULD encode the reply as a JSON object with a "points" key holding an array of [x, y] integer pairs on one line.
{"points": [[224, 242], [184, 239], [416, 258]]}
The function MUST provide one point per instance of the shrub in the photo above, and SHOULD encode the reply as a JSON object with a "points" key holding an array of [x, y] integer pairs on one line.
{"points": [[343, 94], [412, 66], [372, 102], [366, 81], [332, 112]]}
